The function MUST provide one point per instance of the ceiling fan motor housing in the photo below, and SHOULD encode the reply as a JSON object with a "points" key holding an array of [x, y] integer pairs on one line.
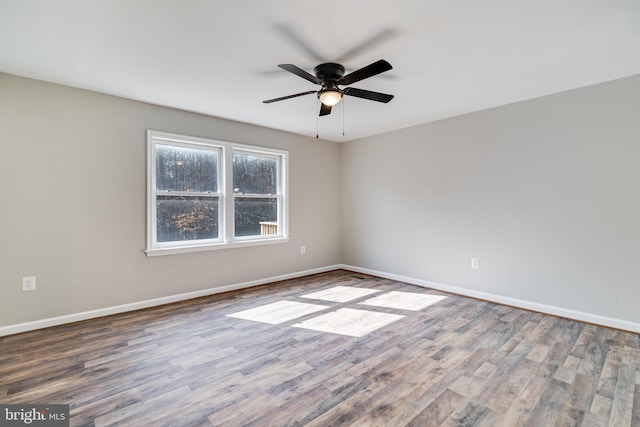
{"points": [[329, 72]]}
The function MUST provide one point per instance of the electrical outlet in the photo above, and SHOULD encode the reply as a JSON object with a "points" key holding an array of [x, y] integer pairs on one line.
{"points": [[474, 263], [29, 283], [303, 249]]}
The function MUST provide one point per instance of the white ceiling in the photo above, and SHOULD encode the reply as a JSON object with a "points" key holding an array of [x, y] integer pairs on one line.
{"points": [[220, 58]]}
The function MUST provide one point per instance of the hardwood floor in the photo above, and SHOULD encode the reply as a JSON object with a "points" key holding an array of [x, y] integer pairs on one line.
{"points": [[457, 362]]}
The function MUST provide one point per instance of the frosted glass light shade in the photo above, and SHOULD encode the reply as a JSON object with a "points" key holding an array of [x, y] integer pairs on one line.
{"points": [[330, 97]]}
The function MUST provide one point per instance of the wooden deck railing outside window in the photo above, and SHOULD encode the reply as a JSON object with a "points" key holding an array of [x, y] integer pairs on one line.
{"points": [[268, 227]]}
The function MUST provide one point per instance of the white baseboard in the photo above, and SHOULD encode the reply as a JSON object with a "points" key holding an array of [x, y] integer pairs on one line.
{"points": [[527, 305], [107, 311]]}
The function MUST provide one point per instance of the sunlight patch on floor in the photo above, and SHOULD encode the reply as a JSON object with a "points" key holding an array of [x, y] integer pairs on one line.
{"points": [[347, 321], [278, 312], [341, 294], [343, 321], [403, 300]]}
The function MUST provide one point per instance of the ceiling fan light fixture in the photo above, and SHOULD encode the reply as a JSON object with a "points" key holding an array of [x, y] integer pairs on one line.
{"points": [[330, 97], [330, 76]]}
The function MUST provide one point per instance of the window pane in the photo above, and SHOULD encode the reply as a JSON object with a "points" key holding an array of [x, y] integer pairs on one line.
{"points": [[186, 218], [254, 174], [251, 212], [186, 169]]}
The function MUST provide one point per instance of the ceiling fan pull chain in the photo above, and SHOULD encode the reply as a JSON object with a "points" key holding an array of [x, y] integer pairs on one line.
{"points": [[343, 107], [317, 120]]}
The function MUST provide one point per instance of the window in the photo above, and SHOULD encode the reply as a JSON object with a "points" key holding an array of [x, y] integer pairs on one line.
{"points": [[205, 194], [187, 201], [255, 194]]}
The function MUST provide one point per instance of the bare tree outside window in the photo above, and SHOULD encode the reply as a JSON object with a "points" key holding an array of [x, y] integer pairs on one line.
{"points": [[255, 188], [186, 179]]}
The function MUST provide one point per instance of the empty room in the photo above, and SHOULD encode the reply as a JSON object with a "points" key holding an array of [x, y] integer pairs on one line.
{"points": [[289, 213]]}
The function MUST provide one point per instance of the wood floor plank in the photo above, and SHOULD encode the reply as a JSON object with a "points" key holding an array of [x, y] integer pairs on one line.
{"points": [[512, 386], [547, 411], [635, 408], [581, 392], [622, 408], [522, 405], [439, 410], [458, 362], [388, 387], [472, 415]]}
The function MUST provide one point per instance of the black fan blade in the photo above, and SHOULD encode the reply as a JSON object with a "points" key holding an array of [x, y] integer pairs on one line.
{"points": [[269, 101], [365, 72], [298, 40], [300, 72], [367, 44], [367, 94], [325, 109]]}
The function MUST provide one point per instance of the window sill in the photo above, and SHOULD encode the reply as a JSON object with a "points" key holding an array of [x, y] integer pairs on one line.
{"points": [[216, 246]]}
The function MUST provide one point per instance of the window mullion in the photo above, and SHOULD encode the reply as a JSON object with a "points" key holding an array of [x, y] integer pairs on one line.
{"points": [[227, 200], [187, 194], [256, 196]]}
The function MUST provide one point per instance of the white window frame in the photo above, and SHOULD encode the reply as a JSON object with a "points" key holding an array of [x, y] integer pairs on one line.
{"points": [[278, 196], [225, 194]]}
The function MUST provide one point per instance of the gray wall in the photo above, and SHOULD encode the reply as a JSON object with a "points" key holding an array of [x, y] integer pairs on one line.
{"points": [[73, 205], [544, 193]]}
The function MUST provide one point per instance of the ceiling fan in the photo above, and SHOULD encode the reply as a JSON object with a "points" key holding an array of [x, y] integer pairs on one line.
{"points": [[330, 76]]}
